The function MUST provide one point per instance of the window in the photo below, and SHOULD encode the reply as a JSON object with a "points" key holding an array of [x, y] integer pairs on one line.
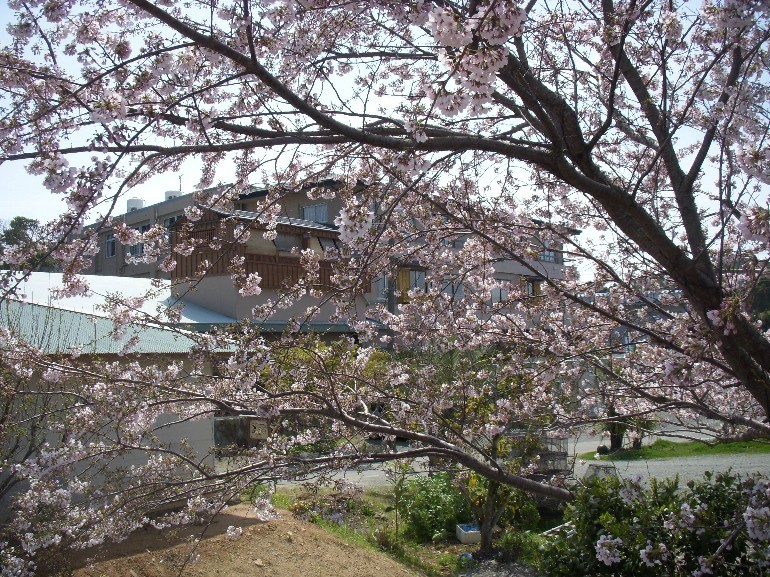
{"points": [[454, 288], [417, 280], [549, 255], [499, 294], [110, 246], [287, 242], [168, 223], [327, 244], [316, 213], [407, 280], [380, 288], [374, 208], [453, 243], [534, 287], [138, 249]]}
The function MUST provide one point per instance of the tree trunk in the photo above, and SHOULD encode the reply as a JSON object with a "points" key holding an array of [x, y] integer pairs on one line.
{"points": [[616, 430], [486, 528], [616, 437]]}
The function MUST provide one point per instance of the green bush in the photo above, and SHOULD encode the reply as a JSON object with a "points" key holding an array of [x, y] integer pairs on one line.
{"points": [[515, 508], [386, 539], [432, 505], [515, 545], [717, 527]]}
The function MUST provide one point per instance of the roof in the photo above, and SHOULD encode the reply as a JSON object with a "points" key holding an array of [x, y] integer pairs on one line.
{"points": [[59, 332], [156, 295], [284, 220], [320, 327], [259, 191]]}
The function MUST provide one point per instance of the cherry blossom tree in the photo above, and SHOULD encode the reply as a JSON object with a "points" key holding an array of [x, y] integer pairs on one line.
{"points": [[630, 136]]}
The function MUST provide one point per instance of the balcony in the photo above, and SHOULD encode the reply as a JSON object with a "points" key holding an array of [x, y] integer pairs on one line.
{"points": [[279, 271]]}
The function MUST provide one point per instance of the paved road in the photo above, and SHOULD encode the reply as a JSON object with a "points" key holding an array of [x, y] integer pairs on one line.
{"points": [[688, 468]]}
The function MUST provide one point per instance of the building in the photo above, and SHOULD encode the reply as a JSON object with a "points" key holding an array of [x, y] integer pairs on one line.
{"points": [[62, 331], [112, 257], [276, 262], [303, 223]]}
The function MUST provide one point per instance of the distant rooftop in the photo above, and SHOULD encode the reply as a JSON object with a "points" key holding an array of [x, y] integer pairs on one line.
{"points": [[37, 290], [285, 220], [60, 332]]}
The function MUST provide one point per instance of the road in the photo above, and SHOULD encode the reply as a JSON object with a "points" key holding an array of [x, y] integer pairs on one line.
{"points": [[688, 468]]}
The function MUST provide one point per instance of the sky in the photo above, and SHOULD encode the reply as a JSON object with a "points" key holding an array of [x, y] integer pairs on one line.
{"points": [[22, 194]]}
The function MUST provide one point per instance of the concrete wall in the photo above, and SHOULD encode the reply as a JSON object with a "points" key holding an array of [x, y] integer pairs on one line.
{"points": [[197, 434], [218, 294]]}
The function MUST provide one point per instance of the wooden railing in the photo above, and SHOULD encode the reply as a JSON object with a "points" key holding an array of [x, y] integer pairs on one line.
{"points": [[275, 271], [280, 271]]}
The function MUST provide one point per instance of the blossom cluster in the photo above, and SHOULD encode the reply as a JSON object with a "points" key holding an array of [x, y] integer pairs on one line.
{"points": [[609, 549]]}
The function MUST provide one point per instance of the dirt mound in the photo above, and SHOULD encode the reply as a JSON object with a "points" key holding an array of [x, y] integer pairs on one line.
{"points": [[282, 548]]}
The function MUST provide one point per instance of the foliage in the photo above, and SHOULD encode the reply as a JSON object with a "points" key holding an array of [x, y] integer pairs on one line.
{"points": [[336, 506], [367, 522], [24, 235], [432, 507], [517, 545], [398, 473], [494, 505], [518, 509], [421, 556], [719, 526]]}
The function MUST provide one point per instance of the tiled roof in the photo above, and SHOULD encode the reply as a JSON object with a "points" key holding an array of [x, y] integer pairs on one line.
{"points": [[285, 220]]}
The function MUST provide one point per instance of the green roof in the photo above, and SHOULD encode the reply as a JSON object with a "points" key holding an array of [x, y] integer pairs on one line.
{"points": [[58, 331]]}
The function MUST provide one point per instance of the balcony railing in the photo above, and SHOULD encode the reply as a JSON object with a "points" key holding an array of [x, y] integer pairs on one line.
{"points": [[280, 271], [276, 271]]}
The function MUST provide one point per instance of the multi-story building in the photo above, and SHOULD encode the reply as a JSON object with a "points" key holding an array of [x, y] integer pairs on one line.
{"points": [[276, 262], [112, 257], [303, 223]]}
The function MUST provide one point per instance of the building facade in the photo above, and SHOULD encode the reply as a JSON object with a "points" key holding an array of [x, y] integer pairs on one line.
{"points": [[112, 259], [303, 223]]}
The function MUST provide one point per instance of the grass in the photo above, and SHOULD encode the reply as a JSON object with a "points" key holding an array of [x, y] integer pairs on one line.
{"points": [[662, 449]]}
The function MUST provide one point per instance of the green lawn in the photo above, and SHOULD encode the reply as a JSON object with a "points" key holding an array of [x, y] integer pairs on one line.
{"points": [[661, 449]]}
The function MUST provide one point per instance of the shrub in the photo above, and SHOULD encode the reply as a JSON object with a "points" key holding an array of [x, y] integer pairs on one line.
{"points": [[386, 539], [432, 505], [516, 545], [515, 508], [719, 527], [335, 507]]}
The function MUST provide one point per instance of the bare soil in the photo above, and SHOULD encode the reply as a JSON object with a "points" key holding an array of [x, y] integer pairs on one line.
{"points": [[285, 547]]}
